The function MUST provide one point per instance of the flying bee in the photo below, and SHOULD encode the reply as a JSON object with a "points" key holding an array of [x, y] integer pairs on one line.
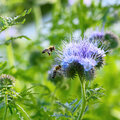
{"points": [[58, 67], [49, 50]]}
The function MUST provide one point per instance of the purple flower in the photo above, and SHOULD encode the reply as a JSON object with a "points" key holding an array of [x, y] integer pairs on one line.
{"points": [[97, 35], [81, 56]]}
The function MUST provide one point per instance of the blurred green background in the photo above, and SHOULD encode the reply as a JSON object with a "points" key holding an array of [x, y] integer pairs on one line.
{"points": [[49, 23]]}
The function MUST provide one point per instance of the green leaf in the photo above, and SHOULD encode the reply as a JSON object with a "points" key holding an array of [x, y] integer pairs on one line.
{"points": [[6, 22], [2, 105], [23, 14], [73, 102], [61, 115], [94, 94], [14, 38], [76, 106], [23, 111], [63, 105], [10, 108], [3, 65]]}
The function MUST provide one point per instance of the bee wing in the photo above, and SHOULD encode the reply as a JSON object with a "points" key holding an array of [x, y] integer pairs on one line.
{"points": [[45, 50]]}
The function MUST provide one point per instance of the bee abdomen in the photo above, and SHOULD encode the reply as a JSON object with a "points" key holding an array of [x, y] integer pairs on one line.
{"points": [[54, 74]]}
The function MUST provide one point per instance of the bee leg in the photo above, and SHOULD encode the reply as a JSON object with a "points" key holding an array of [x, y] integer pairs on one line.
{"points": [[48, 53]]}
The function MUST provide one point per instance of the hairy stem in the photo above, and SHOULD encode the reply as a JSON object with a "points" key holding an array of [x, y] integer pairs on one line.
{"points": [[84, 101]]}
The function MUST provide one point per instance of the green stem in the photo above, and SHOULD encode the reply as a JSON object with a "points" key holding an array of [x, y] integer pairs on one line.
{"points": [[10, 54], [84, 101], [38, 17], [5, 113]]}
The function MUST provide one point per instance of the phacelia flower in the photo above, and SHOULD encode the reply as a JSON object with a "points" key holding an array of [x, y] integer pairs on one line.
{"points": [[81, 57], [96, 35], [111, 39], [6, 81]]}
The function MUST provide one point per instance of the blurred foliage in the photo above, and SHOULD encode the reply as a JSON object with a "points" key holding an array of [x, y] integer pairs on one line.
{"points": [[34, 96], [6, 22]]}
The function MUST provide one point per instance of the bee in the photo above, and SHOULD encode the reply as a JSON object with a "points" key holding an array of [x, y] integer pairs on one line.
{"points": [[49, 50], [58, 67]]}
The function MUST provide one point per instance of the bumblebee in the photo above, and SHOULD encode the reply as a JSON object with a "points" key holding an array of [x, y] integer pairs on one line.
{"points": [[58, 67], [49, 50]]}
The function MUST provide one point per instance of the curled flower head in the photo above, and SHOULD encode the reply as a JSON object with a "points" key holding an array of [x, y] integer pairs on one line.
{"points": [[6, 81], [81, 57], [96, 35], [111, 39]]}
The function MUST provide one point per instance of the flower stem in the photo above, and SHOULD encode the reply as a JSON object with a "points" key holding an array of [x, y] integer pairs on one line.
{"points": [[38, 17], [10, 54], [5, 113], [84, 101]]}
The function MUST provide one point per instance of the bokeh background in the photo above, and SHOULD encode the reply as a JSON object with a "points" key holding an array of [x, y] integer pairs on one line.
{"points": [[49, 23]]}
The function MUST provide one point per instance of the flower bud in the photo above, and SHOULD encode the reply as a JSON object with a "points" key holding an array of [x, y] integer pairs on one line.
{"points": [[6, 81], [111, 39]]}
